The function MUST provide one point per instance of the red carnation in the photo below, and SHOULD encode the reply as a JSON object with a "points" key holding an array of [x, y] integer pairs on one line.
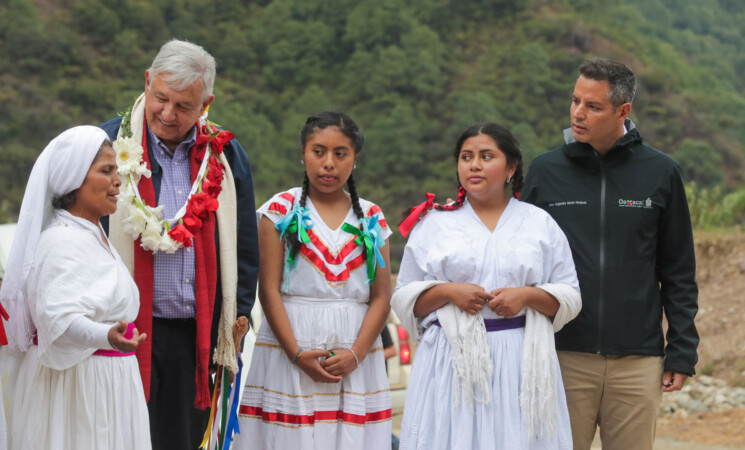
{"points": [[201, 205], [219, 141], [192, 222], [212, 189], [214, 171], [180, 234]]}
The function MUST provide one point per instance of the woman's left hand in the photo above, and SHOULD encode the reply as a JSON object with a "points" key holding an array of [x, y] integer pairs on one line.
{"points": [[508, 302], [341, 364], [119, 342]]}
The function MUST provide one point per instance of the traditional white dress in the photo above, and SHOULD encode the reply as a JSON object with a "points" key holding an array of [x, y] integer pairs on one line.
{"points": [[326, 300], [66, 397], [527, 248]]}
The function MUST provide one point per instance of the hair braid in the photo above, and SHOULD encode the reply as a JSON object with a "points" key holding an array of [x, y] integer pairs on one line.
{"points": [[517, 181], [352, 185], [293, 243], [457, 203], [306, 186]]}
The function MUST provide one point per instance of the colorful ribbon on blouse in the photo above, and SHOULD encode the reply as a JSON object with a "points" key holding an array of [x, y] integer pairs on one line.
{"points": [[369, 237], [296, 221]]}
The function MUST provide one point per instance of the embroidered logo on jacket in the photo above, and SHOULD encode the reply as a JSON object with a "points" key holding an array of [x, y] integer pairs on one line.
{"points": [[645, 204], [568, 203]]}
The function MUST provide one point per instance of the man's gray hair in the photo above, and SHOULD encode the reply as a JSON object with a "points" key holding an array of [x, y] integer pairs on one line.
{"points": [[620, 78], [185, 63]]}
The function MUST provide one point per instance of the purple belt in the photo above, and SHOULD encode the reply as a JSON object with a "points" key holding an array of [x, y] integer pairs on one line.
{"points": [[498, 324]]}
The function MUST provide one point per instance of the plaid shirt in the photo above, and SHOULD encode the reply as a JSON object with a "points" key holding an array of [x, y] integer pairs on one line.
{"points": [[173, 287]]}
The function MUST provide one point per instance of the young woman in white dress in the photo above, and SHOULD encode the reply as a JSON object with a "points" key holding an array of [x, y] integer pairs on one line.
{"points": [[317, 376], [72, 304], [485, 281]]}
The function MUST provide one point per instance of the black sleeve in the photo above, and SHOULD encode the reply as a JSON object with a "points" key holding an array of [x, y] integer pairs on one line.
{"points": [[385, 335], [529, 191], [676, 270]]}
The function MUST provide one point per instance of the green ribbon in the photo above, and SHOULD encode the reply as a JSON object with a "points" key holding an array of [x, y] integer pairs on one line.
{"points": [[369, 237]]}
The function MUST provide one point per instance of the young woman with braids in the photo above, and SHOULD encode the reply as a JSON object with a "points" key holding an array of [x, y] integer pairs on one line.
{"points": [[484, 283], [317, 377]]}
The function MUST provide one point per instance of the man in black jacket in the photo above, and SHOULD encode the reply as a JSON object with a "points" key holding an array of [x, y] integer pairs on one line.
{"points": [[623, 208]]}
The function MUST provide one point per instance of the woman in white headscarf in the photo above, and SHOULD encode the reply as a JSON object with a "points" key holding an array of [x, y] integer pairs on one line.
{"points": [[72, 304]]}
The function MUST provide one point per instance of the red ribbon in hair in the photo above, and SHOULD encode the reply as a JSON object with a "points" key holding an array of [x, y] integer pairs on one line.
{"points": [[416, 214]]}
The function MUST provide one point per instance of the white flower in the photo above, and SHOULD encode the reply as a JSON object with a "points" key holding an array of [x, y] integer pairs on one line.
{"points": [[157, 211], [168, 245], [151, 236], [134, 223], [128, 155], [125, 196], [139, 171]]}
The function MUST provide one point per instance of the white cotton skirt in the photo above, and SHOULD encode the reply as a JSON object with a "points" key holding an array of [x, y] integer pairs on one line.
{"points": [[3, 432], [96, 404], [283, 408], [430, 421]]}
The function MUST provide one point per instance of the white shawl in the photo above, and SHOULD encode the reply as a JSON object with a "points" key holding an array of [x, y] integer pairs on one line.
{"points": [[75, 274], [466, 335]]}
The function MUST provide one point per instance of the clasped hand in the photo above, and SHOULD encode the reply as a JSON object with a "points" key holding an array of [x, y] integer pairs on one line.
{"points": [[330, 370], [119, 342], [471, 298]]}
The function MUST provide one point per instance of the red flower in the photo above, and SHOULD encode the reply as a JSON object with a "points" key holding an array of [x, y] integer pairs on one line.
{"points": [[180, 234], [219, 141], [201, 205], [192, 222], [212, 189], [214, 171]]}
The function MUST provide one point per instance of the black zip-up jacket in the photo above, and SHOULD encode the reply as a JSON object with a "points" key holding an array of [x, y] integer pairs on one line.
{"points": [[626, 217]]}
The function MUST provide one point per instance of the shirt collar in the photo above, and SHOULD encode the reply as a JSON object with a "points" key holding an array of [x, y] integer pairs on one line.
{"points": [[186, 144]]}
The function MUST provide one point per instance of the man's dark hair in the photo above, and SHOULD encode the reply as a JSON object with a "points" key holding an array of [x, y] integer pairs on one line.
{"points": [[620, 78]]}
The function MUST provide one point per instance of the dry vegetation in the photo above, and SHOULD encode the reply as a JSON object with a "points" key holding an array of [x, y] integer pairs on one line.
{"points": [[721, 277]]}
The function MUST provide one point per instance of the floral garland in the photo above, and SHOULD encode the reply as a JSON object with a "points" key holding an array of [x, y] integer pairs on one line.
{"points": [[146, 222]]}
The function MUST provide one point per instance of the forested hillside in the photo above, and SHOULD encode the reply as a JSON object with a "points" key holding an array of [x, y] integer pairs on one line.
{"points": [[413, 73]]}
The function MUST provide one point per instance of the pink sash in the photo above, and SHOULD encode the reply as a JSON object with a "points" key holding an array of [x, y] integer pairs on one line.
{"points": [[127, 334]]}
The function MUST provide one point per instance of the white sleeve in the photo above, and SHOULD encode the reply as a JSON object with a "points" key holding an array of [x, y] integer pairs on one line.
{"points": [[561, 265], [277, 207], [413, 263], [412, 280], [562, 278], [85, 332]]}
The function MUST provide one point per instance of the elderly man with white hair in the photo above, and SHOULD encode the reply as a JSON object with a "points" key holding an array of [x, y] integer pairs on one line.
{"points": [[187, 231]]}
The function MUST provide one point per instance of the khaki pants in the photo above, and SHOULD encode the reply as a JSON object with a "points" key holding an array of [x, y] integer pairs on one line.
{"points": [[620, 394]]}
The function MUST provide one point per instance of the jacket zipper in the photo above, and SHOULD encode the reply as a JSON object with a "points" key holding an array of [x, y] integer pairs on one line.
{"points": [[601, 274]]}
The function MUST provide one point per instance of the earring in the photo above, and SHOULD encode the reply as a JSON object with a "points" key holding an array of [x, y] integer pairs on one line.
{"points": [[302, 163], [509, 179], [355, 166]]}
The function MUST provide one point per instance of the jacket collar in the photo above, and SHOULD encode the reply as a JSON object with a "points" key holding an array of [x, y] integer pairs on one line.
{"points": [[585, 155]]}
